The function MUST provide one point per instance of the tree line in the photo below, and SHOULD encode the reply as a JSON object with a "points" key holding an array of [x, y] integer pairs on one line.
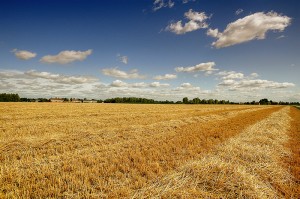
{"points": [[4, 97], [10, 97]]}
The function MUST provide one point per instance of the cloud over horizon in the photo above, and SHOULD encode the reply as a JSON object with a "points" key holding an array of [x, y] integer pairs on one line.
{"points": [[206, 67], [63, 79], [254, 84], [165, 77], [115, 72]]}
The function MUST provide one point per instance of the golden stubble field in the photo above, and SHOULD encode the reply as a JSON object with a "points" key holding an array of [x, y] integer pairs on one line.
{"points": [[63, 150]]}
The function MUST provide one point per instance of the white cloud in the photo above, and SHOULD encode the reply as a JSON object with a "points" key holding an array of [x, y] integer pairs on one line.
{"points": [[230, 75], [254, 84], [212, 32], [196, 16], [238, 81], [239, 11], [7, 74], [63, 79], [139, 85], [158, 4], [66, 56], [118, 83], [209, 66], [123, 59], [227, 82], [114, 72], [186, 1], [45, 84], [23, 54], [254, 75], [280, 37], [187, 87], [165, 77], [197, 20], [254, 26], [158, 84]]}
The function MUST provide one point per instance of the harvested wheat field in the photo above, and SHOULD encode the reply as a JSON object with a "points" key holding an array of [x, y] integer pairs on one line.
{"points": [[62, 150]]}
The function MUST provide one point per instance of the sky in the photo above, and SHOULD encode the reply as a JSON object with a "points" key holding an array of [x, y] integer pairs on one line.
{"points": [[160, 49]]}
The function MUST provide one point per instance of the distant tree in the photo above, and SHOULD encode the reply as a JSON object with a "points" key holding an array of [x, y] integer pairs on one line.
{"points": [[43, 100], [4, 97], [185, 100], [196, 100], [211, 101], [204, 101], [264, 101], [222, 102]]}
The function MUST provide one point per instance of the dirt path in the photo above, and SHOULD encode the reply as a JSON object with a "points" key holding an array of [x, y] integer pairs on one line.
{"points": [[246, 166]]}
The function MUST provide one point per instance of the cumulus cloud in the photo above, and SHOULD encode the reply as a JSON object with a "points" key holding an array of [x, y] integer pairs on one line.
{"points": [[231, 75], [165, 77], [196, 20], [123, 59], [209, 66], [239, 11], [37, 84], [139, 85], [114, 72], [7, 74], [254, 84], [63, 79], [67, 56], [254, 26], [253, 75], [238, 81], [118, 83], [187, 87], [158, 84], [213, 32], [23, 54], [158, 4]]}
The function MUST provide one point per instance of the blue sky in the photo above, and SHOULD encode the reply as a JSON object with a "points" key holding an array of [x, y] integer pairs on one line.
{"points": [[160, 49]]}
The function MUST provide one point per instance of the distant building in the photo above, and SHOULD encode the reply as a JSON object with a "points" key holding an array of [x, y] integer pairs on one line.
{"points": [[73, 100], [89, 101], [56, 100]]}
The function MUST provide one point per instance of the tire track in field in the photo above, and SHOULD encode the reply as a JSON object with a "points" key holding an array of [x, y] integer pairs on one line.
{"points": [[246, 166], [293, 162]]}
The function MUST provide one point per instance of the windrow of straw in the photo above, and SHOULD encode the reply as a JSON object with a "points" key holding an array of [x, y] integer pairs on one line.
{"points": [[246, 166], [293, 163]]}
